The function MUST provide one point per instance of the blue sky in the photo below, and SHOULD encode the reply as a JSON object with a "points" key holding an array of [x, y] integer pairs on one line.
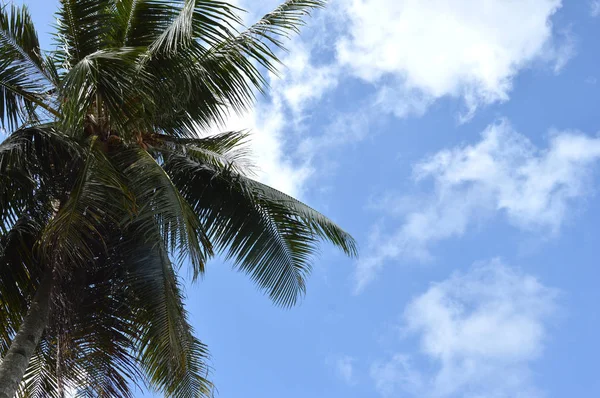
{"points": [[457, 140]]}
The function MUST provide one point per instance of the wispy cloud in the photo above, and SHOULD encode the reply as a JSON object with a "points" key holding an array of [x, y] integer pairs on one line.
{"points": [[344, 368], [595, 8], [503, 174], [303, 82], [479, 333]]}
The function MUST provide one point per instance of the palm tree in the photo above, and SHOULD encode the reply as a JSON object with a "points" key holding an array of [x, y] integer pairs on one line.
{"points": [[108, 187]]}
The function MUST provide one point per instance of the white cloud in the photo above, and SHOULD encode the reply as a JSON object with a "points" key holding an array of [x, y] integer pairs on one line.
{"points": [[301, 81], [479, 333], [595, 8], [413, 53], [397, 373], [419, 51], [345, 369], [503, 174], [562, 53]]}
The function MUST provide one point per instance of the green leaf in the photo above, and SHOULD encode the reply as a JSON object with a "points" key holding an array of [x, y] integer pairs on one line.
{"points": [[161, 204], [81, 29], [228, 150], [271, 236], [97, 199], [24, 80], [173, 358]]}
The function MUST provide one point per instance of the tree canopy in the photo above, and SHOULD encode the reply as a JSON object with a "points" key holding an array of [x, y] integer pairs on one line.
{"points": [[109, 187]]}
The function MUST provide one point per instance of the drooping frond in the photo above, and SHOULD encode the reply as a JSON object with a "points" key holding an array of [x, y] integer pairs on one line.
{"points": [[160, 204], [89, 351], [173, 359], [101, 360], [270, 235], [40, 380], [24, 78], [19, 270], [97, 199], [228, 150], [33, 162], [17, 181], [319, 224], [19, 40]]}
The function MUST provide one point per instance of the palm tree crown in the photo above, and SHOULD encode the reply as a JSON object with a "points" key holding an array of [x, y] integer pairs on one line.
{"points": [[108, 186]]}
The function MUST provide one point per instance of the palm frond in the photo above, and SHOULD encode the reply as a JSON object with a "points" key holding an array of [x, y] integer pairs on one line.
{"points": [[98, 198], [193, 93], [272, 28], [102, 359], [104, 92], [287, 18], [33, 161], [138, 23], [40, 380], [89, 351], [160, 203], [227, 150], [270, 235], [171, 356], [24, 80], [19, 40], [319, 224], [17, 183], [81, 29], [19, 271], [208, 21], [209, 83]]}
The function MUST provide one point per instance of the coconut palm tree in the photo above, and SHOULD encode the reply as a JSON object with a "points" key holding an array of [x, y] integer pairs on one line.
{"points": [[109, 188]]}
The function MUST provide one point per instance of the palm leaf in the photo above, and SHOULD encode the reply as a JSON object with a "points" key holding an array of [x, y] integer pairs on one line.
{"points": [[24, 80], [209, 83], [33, 162], [103, 92], [97, 198], [270, 235], [81, 29], [138, 23], [208, 21], [19, 272], [160, 203], [171, 356], [283, 21], [102, 359], [40, 380], [222, 151]]}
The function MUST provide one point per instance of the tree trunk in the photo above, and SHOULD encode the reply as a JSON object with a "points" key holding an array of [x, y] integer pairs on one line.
{"points": [[15, 363]]}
